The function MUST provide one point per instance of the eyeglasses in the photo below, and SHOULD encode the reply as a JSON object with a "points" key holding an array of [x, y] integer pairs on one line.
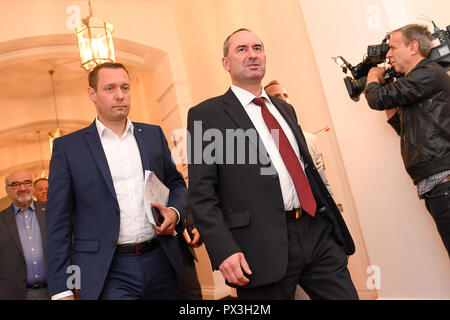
{"points": [[16, 185]]}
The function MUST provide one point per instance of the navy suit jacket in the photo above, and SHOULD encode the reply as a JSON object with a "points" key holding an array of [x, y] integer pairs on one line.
{"points": [[83, 214]]}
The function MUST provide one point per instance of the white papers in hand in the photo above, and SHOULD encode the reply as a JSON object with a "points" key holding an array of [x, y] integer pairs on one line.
{"points": [[154, 191]]}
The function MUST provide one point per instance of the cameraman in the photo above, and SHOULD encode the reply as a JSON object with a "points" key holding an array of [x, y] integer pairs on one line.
{"points": [[418, 108]]}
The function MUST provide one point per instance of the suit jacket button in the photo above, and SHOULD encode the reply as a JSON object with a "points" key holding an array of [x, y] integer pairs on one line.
{"points": [[117, 210], [275, 176], [113, 243]]}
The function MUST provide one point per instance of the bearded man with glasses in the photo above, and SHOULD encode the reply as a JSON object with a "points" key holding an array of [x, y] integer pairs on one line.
{"points": [[22, 242]]}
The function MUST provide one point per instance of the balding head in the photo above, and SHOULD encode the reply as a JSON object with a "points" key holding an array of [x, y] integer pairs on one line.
{"points": [[40, 189], [19, 187], [274, 88]]}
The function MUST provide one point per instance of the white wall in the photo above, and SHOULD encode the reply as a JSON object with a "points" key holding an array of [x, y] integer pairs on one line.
{"points": [[400, 235]]}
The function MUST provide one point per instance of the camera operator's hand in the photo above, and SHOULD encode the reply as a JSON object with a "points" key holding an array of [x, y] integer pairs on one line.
{"points": [[376, 74]]}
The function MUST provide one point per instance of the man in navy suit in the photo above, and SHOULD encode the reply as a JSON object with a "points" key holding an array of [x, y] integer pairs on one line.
{"points": [[100, 243]]}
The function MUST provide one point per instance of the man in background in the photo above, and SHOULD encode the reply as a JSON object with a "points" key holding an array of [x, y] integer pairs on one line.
{"points": [[40, 189], [22, 242], [274, 88], [190, 288]]}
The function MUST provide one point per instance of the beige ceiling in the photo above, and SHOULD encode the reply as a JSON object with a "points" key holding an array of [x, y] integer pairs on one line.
{"points": [[30, 80], [28, 85]]}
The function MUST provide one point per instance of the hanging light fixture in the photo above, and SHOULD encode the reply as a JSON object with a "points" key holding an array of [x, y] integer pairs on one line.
{"points": [[43, 173], [95, 42], [56, 133]]}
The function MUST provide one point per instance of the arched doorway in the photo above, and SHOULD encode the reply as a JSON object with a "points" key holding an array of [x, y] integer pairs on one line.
{"points": [[28, 108]]}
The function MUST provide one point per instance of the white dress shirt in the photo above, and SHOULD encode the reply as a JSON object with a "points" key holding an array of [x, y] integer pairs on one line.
{"points": [[125, 166], [290, 197]]}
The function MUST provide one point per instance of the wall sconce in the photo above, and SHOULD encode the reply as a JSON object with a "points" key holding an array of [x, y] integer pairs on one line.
{"points": [[95, 42]]}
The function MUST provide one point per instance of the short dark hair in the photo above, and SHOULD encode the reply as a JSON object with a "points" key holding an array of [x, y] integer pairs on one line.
{"points": [[271, 83], [419, 33], [226, 43], [40, 179], [93, 75]]}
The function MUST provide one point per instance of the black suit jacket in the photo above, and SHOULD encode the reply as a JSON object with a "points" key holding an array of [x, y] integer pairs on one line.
{"points": [[13, 270], [235, 207]]}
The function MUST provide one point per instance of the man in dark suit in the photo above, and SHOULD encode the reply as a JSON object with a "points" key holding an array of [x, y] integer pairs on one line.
{"points": [[22, 242], [100, 241], [190, 288], [264, 213], [40, 190]]}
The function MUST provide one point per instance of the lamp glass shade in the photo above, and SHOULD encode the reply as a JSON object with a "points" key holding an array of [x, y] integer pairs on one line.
{"points": [[95, 42]]}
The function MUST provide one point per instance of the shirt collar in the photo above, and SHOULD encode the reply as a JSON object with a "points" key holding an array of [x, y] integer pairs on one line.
{"points": [[16, 208], [101, 128], [245, 97]]}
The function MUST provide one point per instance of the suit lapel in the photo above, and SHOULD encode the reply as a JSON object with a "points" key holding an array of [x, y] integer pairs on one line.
{"points": [[12, 229], [235, 110], [40, 213], [144, 149], [96, 148]]}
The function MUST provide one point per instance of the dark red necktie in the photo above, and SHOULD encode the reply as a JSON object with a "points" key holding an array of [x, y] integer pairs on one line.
{"points": [[290, 159]]}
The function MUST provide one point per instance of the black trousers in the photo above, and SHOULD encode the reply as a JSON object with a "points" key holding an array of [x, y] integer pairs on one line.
{"points": [[189, 288], [437, 201], [37, 294], [316, 262]]}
